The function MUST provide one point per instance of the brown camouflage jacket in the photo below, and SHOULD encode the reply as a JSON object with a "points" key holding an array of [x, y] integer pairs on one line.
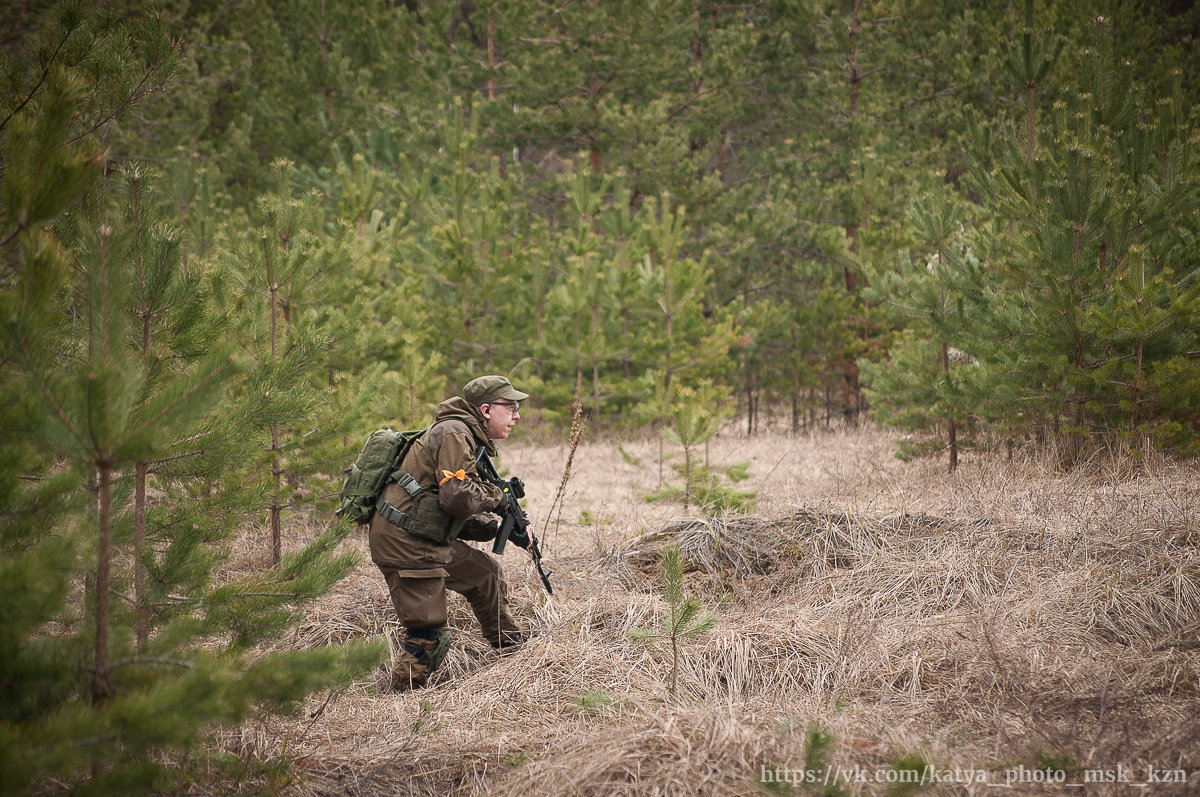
{"points": [[444, 455]]}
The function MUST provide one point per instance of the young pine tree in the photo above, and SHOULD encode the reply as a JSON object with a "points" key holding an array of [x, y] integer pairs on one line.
{"points": [[686, 618], [172, 328], [1091, 282], [925, 384], [119, 650], [682, 334], [693, 417], [284, 267]]}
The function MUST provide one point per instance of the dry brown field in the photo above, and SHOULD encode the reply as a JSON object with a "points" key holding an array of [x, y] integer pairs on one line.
{"points": [[981, 626]]}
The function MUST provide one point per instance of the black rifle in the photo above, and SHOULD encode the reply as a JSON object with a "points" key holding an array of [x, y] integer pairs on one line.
{"points": [[515, 523]]}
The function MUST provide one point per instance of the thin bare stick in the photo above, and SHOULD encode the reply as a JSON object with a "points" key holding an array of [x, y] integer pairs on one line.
{"points": [[578, 423]]}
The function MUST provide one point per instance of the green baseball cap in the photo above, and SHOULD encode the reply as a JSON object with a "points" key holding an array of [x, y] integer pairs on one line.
{"points": [[487, 389]]}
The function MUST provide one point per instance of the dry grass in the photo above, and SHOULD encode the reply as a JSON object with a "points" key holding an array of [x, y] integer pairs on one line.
{"points": [[996, 617]]}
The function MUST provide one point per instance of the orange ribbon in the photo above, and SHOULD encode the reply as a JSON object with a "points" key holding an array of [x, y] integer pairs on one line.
{"points": [[448, 475]]}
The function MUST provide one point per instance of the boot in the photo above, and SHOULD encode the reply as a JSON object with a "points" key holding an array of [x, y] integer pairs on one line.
{"points": [[508, 641], [420, 654]]}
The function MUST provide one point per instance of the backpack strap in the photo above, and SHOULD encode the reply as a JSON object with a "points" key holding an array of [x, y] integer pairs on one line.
{"points": [[401, 477], [423, 520], [390, 513]]}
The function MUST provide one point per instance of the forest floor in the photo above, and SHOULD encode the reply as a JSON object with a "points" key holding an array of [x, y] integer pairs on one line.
{"points": [[1010, 624]]}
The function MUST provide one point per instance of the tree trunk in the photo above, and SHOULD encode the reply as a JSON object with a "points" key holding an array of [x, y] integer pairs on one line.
{"points": [[749, 408], [795, 404], [660, 460], [139, 548], [1135, 417], [276, 459], [952, 433], [626, 359], [674, 655], [323, 37], [101, 688], [276, 507], [670, 308], [687, 476]]}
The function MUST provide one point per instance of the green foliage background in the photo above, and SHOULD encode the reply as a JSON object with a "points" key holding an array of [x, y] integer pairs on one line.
{"points": [[602, 198], [607, 199]]}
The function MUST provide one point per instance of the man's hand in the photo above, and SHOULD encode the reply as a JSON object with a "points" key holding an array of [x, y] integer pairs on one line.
{"points": [[506, 503], [521, 537]]}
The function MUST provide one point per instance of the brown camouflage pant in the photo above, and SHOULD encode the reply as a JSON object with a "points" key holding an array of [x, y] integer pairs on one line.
{"points": [[419, 594]]}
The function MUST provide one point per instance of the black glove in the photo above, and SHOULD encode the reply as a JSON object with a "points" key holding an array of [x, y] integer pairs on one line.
{"points": [[506, 503], [521, 537]]}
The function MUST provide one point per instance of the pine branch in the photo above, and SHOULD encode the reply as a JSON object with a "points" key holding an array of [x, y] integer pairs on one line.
{"points": [[219, 372], [135, 95], [186, 665], [35, 374], [300, 596], [690, 100], [41, 80], [174, 458]]}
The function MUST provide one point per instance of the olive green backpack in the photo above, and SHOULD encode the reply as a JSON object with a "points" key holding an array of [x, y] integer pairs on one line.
{"points": [[379, 459]]}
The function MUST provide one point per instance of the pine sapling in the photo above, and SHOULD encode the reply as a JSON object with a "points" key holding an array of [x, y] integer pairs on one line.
{"points": [[686, 620]]}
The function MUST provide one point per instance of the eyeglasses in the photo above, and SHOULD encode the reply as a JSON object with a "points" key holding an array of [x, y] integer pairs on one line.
{"points": [[516, 405]]}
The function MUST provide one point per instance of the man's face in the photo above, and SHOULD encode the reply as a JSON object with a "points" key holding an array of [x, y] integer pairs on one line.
{"points": [[501, 417]]}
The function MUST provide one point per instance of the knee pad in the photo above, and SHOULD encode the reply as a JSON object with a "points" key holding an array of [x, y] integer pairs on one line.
{"points": [[441, 647], [428, 645]]}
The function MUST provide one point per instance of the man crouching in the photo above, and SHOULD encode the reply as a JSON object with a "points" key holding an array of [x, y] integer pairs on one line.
{"points": [[416, 536]]}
